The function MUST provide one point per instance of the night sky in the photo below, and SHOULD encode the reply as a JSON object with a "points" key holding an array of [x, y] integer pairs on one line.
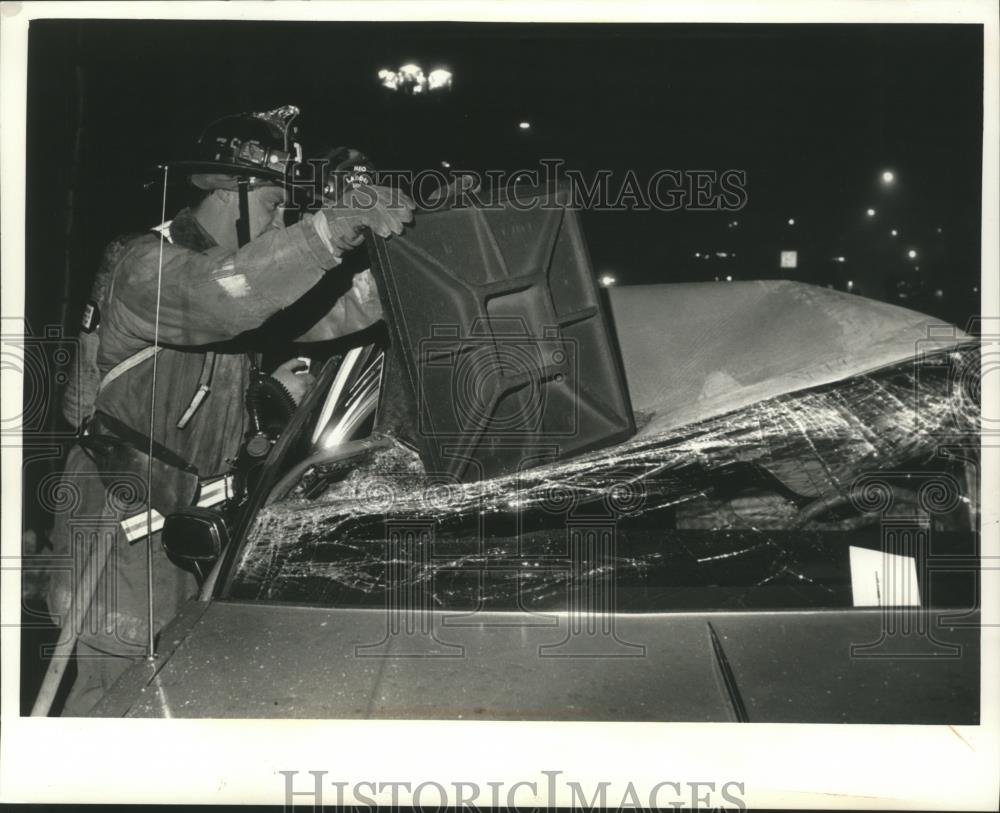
{"points": [[813, 115]]}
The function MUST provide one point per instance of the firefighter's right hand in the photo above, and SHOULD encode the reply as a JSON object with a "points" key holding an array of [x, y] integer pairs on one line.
{"points": [[379, 208]]}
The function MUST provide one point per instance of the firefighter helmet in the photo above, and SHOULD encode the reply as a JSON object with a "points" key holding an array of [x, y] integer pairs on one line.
{"points": [[261, 147]]}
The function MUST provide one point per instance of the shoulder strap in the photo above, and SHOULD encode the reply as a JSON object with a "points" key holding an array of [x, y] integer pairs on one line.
{"points": [[140, 356], [127, 364]]}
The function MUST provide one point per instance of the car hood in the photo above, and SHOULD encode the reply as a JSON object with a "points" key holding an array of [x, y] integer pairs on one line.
{"points": [[257, 661], [692, 351]]}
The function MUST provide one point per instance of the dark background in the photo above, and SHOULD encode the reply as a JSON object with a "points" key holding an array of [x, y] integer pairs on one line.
{"points": [[812, 113]]}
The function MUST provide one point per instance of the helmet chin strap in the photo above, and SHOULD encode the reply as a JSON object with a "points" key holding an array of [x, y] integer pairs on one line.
{"points": [[243, 224], [255, 358]]}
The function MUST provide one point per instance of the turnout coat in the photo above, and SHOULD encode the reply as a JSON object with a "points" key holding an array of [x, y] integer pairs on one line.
{"points": [[196, 300]]}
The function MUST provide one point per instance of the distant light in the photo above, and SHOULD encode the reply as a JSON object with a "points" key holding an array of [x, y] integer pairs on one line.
{"points": [[388, 78], [446, 165], [789, 259], [721, 254], [888, 176], [839, 259], [525, 125], [975, 290], [894, 233], [410, 78], [850, 284], [791, 221], [939, 294], [697, 254], [607, 280], [939, 230], [870, 213], [912, 253], [439, 79], [729, 278]]}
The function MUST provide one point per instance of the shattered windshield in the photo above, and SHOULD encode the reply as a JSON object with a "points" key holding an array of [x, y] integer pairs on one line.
{"points": [[755, 508]]}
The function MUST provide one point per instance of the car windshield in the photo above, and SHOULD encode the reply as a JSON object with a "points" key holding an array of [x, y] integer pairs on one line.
{"points": [[757, 508]]}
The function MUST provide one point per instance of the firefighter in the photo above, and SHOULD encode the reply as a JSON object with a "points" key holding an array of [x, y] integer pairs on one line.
{"points": [[173, 371]]}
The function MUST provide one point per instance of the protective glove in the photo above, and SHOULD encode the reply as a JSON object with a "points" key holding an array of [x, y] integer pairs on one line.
{"points": [[379, 208], [293, 376]]}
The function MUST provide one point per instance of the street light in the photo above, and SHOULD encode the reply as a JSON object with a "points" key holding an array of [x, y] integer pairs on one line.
{"points": [[791, 221], [894, 233], [439, 79], [524, 125], [412, 76], [870, 213], [912, 253], [410, 79], [888, 176], [389, 79]]}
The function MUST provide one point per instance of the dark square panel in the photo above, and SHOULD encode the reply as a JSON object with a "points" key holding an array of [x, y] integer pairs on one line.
{"points": [[502, 335]]}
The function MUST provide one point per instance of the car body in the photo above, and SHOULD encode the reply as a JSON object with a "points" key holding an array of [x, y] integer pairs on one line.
{"points": [[325, 606]]}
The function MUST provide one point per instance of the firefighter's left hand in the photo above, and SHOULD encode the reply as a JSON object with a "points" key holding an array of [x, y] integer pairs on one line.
{"points": [[294, 378]]}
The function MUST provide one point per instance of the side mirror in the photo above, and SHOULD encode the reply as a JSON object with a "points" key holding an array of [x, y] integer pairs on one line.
{"points": [[195, 538]]}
